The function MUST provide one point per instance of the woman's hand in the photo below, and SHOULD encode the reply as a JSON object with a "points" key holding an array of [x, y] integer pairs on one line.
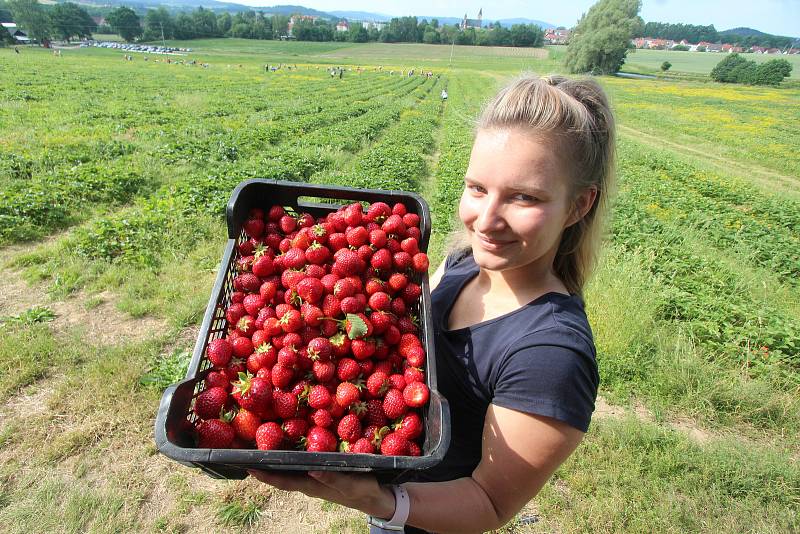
{"points": [[358, 491]]}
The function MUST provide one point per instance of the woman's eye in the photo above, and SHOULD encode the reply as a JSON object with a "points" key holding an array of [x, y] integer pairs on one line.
{"points": [[524, 198], [476, 188]]}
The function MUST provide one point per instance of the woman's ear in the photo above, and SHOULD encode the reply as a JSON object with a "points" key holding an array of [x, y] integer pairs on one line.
{"points": [[583, 203]]}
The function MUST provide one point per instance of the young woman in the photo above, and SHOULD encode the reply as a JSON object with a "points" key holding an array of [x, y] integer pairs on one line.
{"points": [[514, 351]]}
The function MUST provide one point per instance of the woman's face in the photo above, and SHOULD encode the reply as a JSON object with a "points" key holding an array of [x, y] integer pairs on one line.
{"points": [[516, 201]]}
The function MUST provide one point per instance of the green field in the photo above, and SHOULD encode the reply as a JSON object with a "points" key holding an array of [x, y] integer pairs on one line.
{"points": [[114, 176]]}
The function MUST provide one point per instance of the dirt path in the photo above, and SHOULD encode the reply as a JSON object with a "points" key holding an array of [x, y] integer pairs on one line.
{"points": [[764, 178]]}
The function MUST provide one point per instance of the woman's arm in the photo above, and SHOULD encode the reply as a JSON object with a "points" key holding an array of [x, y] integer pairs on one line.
{"points": [[519, 454]]}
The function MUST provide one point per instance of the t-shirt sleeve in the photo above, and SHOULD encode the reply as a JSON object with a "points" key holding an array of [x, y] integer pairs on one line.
{"points": [[549, 380]]}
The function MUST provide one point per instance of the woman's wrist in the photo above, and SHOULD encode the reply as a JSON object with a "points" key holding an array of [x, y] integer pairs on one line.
{"points": [[381, 504]]}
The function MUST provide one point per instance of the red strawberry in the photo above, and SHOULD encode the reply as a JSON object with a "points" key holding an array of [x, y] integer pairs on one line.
{"points": [[287, 356], [378, 211], [393, 404], [284, 404], [215, 434], [312, 315], [416, 394], [235, 312], [411, 220], [378, 238], [317, 254], [245, 263], [294, 258], [245, 423], [324, 371], [264, 356], [410, 427], [374, 285], [254, 227], [216, 379], [263, 266], [320, 348], [322, 417], [349, 428], [242, 347], [344, 288], [375, 415], [210, 402], [392, 335], [380, 301], [246, 325], [320, 439], [319, 397], [413, 374], [381, 259], [420, 262], [353, 214], [346, 394], [399, 209], [268, 289], [402, 260], [291, 321], [378, 384], [237, 296], [394, 225], [362, 348], [352, 305], [381, 321], [269, 436], [253, 393], [315, 271], [219, 352], [411, 293], [337, 241], [394, 444], [362, 446], [357, 236], [329, 281], [340, 344], [247, 282], [295, 428], [331, 306], [347, 369], [310, 290], [415, 356], [399, 306], [253, 303], [410, 245], [416, 233], [397, 381], [407, 325], [320, 232], [287, 224], [275, 213], [397, 281], [347, 263], [281, 376], [305, 220]]}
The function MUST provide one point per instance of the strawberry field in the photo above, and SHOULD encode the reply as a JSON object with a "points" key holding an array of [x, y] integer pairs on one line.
{"points": [[114, 178]]}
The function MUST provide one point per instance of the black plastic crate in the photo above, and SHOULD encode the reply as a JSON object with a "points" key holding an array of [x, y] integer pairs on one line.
{"points": [[173, 427]]}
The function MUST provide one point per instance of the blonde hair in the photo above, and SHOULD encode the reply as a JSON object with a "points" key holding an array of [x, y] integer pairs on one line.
{"points": [[576, 117]]}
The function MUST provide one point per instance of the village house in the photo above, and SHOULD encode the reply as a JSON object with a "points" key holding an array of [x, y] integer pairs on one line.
{"points": [[342, 26], [18, 35], [294, 19], [554, 36]]}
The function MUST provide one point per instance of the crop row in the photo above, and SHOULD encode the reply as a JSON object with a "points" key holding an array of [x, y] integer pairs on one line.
{"points": [[701, 292], [675, 192], [398, 160]]}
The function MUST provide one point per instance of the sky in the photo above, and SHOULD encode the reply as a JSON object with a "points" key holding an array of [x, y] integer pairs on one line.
{"points": [[778, 17]]}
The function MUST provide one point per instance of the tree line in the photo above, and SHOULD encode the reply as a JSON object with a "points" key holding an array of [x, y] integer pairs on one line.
{"points": [[695, 34], [69, 20]]}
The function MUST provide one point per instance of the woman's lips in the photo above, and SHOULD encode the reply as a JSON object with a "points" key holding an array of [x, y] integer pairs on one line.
{"points": [[493, 244]]}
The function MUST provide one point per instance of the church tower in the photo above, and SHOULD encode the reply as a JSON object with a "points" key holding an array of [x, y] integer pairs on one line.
{"points": [[480, 18]]}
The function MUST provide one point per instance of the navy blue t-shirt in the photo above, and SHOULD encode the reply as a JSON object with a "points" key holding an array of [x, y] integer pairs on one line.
{"points": [[538, 359]]}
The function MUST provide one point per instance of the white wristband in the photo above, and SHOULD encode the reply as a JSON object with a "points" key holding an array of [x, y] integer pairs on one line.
{"points": [[402, 507]]}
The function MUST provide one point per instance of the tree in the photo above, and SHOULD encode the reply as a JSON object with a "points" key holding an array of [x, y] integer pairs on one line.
{"points": [[70, 20], [156, 21], [732, 69], [771, 72], [32, 18], [665, 66], [125, 22], [601, 39]]}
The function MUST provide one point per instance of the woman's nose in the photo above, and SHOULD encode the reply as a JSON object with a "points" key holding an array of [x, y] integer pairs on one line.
{"points": [[490, 216]]}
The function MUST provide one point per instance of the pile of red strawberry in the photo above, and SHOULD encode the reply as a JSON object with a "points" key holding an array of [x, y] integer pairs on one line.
{"points": [[322, 352]]}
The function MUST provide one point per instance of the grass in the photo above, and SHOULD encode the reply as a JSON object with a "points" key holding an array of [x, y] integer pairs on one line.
{"points": [[76, 448]]}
